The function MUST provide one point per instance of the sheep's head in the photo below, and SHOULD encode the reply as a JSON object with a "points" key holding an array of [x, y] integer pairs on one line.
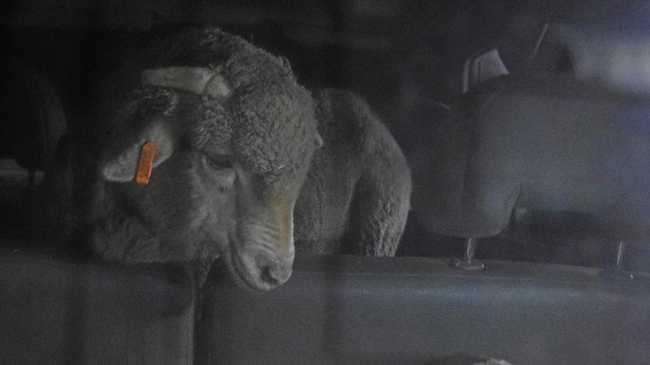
{"points": [[231, 158]]}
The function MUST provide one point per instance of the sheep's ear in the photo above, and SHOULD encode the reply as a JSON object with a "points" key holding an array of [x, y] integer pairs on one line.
{"points": [[319, 140], [124, 165]]}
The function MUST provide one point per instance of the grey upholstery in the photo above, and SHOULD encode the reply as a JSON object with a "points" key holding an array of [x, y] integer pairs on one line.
{"points": [[364, 310], [551, 144], [341, 310], [58, 312], [614, 58]]}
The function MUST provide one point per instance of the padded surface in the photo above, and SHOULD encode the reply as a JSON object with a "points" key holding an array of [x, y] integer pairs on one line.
{"points": [[58, 312], [352, 310], [613, 57], [551, 144]]}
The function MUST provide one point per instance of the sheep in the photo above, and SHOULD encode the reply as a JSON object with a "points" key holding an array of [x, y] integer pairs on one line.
{"points": [[248, 166]]}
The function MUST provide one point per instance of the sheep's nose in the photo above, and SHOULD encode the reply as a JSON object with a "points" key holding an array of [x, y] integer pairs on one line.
{"points": [[263, 269], [273, 271]]}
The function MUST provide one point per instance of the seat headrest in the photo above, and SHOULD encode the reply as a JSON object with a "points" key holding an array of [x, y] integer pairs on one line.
{"points": [[615, 59]]}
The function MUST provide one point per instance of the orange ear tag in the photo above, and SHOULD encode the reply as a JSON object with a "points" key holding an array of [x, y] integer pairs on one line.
{"points": [[145, 163]]}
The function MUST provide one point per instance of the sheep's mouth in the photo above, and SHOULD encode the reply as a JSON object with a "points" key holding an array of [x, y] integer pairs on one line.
{"points": [[241, 276], [235, 267]]}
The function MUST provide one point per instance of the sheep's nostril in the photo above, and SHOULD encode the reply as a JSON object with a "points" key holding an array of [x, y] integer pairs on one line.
{"points": [[273, 271], [269, 275]]}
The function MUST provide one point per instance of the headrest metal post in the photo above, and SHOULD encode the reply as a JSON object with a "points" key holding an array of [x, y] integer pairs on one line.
{"points": [[617, 271], [620, 254], [469, 263]]}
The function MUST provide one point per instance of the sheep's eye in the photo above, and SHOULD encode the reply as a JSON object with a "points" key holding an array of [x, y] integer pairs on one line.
{"points": [[218, 162]]}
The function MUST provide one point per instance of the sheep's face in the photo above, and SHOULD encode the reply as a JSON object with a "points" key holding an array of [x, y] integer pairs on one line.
{"points": [[274, 138], [227, 174]]}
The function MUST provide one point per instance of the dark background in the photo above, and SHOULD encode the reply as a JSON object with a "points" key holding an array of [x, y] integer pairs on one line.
{"points": [[390, 51]]}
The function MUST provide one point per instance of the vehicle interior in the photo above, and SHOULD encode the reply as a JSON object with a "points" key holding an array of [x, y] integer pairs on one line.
{"points": [[525, 127]]}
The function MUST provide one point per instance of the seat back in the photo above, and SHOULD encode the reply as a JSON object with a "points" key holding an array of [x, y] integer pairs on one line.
{"points": [[551, 144], [55, 311], [368, 310]]}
